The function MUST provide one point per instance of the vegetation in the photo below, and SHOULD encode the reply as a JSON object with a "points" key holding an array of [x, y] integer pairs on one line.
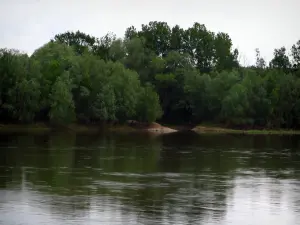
{"points": [[156, 73]]}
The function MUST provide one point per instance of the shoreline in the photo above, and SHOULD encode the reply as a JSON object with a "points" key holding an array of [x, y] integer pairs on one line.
{"points": [[221, 130], [84, 128], [153, 128]]}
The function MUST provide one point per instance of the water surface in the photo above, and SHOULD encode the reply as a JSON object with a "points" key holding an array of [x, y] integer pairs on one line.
{"points": [[61, 179]]}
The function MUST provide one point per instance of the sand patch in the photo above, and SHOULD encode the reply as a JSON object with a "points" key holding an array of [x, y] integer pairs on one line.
{"points": [[151, 127]]}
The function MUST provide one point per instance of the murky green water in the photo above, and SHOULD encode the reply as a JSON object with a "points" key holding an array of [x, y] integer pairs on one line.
{"points": [[65, 179]]}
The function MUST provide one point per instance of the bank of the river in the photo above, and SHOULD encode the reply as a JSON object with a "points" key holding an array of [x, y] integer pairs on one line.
{"points": [[218, 129], [148, 127], [26, 128], [131, 126], [134, 126], [46, 128]]}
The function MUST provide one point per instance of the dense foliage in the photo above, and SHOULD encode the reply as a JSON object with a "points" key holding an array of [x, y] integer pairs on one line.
{"points": [[159, 72]]}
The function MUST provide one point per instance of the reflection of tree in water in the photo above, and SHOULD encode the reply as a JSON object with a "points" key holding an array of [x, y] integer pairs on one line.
{"points": [[11, 158], [207, 173], [71, 169], [214, 160], [159, 178], [6, 161], [130, 173]]}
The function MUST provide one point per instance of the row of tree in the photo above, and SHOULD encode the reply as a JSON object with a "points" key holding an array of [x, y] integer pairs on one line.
{"points": [[172, 74]]}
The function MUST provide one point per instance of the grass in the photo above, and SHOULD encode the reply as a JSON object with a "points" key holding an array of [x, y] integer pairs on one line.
{"points": [[217, 130]]}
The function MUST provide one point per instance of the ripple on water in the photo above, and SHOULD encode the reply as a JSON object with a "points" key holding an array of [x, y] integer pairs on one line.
{"points": [[104, 183]]}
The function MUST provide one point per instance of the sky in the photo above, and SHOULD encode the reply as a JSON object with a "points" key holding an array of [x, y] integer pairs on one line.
{"points": [[265, 24]]}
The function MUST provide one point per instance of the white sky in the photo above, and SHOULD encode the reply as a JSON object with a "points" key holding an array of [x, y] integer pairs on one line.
{"points": [[264, 24]]}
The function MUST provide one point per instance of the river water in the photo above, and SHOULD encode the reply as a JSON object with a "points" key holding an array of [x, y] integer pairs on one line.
{"points": [[182, 178]]}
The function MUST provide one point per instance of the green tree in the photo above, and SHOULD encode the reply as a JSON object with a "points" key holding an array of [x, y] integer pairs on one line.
{"points": [[102, 46], [148, 106], [235, 106], [19, 86], [26, 100], [260, 62], [199, 43], [117, 51], [130, 33], [104, 105], [225, 58], [125, 84], [61, 101], [257, 97], [177, 39], [78, 40], [280, 60], [196, 89], [295, 52], [54, 59], [157, 37], [138, 58], [157, 73]]}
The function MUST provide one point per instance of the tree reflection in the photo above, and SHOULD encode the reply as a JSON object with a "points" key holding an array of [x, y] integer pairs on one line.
{"points": [[164, 178]]}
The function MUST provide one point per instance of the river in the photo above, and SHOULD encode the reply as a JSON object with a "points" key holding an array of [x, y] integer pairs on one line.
{"points": [[182, 178]]}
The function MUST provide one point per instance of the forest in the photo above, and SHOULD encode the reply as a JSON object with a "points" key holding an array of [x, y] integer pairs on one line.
{"points": [[155, 73]]}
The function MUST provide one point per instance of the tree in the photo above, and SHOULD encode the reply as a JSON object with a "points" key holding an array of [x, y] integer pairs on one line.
{"points": [[61, 101], [259, 104], [173, 75], [199, 43], [295, 52], [104, 105], [225, 58], [78, 40], [177, 39], [54, 59], [138, 58], [196, 89], [26, 99], [235, 106], [260, 62], [102, 46], [130, 33], [148, 107], [280, 60], [19, 86], [157, 37], [117, 51], [125, 84], [169, 84]]}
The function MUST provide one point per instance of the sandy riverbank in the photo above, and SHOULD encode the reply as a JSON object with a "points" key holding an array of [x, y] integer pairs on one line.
{"points": [[151, 127]]}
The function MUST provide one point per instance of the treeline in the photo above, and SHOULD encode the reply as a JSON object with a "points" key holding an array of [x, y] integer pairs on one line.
{"points": [[156, 73]]}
